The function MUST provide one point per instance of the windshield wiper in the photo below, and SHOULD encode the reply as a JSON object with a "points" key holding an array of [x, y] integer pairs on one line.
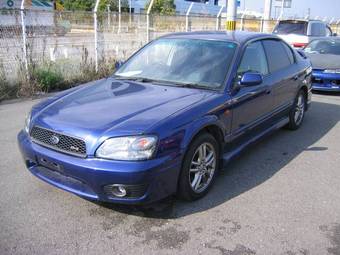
{"points": [[194, 86], [171, 83]]}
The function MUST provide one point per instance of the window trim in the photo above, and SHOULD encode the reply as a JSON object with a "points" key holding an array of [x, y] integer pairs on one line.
{"points": [[245, 48], [291, 50], [278, 40]]}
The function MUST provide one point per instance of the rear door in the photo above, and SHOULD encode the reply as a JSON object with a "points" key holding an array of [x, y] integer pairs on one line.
{"points": [[283, 72]]}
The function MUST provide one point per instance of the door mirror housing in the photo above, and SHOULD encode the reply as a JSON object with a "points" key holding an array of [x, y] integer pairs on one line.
{"points": [[118, 64], [302, 53], [251, 79]]}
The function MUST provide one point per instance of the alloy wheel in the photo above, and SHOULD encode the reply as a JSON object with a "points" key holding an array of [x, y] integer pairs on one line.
{"points": [[202, 167], [299, 109]]}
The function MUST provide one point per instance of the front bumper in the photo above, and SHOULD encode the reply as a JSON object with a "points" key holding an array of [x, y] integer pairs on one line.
{"points": [[87, 177], [330, 88], [325, 81]]}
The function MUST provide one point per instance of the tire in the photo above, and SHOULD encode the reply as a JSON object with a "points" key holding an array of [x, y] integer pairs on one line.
{"points": [[194, 170], [297, 113]]}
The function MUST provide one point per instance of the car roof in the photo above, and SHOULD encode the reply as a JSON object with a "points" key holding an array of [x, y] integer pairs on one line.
{"points": [[301, 20], [240, 37]]}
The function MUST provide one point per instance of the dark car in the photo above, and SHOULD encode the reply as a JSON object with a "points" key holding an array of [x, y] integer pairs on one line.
{"points": [[325, 57], [168, 117]]}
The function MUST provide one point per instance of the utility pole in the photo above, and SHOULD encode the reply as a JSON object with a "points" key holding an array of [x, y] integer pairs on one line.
{"points": [[231, 14], [267, 15], [282, 9]]}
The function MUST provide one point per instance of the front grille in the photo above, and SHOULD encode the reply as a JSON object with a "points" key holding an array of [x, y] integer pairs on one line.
{"points": [[59, 142]]}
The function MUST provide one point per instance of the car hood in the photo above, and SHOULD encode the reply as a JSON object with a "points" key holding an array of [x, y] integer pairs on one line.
{"points": [[110, 108], [324, 61]]}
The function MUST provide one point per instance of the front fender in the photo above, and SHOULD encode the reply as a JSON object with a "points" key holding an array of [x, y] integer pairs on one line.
{"points": [[198, 125]]}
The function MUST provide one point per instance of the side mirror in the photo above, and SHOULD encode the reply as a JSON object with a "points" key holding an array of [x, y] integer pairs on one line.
{"points": [[302, 53], [118, 64], [251, 79]]}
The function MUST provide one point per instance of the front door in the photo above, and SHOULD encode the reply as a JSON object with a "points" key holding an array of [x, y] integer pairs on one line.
{"points": [[251, 105]]}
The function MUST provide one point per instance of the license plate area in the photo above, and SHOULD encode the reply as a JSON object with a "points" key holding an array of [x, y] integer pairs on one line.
{"points": [[50, 164]]}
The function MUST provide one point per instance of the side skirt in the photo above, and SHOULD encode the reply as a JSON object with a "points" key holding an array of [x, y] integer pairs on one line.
{"points": [[227, 156]]}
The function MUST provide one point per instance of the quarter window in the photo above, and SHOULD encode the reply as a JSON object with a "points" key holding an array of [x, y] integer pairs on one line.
{"points": [[276, 54], [254, 59], [289, 53], [318, 29]]}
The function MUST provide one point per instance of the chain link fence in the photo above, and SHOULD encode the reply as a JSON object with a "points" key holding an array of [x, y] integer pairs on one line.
{"points": [[69, 43]]}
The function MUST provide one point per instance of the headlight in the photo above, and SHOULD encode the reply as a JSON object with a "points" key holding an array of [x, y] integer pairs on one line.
{"points": [[128, 148], [27, 123]]}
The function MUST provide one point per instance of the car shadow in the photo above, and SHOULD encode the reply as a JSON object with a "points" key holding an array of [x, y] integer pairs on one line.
{"points": [[254, 166]]}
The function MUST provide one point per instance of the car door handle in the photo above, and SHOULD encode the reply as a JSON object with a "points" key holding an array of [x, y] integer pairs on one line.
{"points": [[264, 91]]}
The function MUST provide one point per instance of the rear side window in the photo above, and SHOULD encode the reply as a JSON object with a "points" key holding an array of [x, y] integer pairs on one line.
{"points": [[276, 54], [289, 53], [254, 59], [318, 29], [291, 27]]}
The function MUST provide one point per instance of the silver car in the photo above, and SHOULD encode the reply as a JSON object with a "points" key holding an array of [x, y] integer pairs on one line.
{"points": [[299, 33]]}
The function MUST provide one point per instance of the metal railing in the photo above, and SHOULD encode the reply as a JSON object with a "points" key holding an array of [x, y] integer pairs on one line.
{"points": [[30, 37]]}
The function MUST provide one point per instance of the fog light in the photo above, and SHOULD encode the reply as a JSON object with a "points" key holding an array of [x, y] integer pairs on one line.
{"points": [[118, 190]]}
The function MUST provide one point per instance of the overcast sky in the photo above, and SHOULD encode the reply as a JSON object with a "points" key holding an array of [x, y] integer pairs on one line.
{"points": [[321, 8]]}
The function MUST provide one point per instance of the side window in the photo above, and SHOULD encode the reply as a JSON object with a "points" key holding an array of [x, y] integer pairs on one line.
{"points": [[254, 59], [318, 29], [289, 53], [277, 55], [322, 29]]}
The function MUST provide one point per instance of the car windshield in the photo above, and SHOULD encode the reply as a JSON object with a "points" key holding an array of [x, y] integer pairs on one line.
{"points": [[291, 27], [186, 62], [324, 47]]}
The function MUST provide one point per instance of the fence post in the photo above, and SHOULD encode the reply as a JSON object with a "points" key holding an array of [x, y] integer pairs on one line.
{"points": [[242, 19], [148, 21], [119, 16], [218, 19], [130, 11], [187, 17], [23, 28], [108, 17], [261, 25], [95, 34]]}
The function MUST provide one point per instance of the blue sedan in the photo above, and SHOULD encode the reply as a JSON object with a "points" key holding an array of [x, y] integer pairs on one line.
{"points": [[168, 118], [325, 57]]}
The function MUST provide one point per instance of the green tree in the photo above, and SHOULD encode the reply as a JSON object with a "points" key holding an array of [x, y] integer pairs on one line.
{"points": [[88, 5], [166, 7], [79, 5], [113, 5]]}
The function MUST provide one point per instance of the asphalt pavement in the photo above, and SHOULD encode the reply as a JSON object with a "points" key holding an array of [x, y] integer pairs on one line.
{"points": [[281, 196]]}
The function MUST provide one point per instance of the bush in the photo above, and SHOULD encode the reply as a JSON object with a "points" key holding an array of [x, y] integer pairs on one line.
{"points": [[48, 79]]}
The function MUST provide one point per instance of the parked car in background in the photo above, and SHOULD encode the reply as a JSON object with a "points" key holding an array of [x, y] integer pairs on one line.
{"points": [[325, 57], [168, 117], [299, 33]]}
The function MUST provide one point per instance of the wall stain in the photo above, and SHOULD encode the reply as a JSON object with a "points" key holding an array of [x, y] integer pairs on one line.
{"points": [[231, 226], [333, 234], [153, 229], [239, 250], [111, 218]]}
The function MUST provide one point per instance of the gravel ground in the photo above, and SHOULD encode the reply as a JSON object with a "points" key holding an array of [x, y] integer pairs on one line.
{"points": [[280, 197]]}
